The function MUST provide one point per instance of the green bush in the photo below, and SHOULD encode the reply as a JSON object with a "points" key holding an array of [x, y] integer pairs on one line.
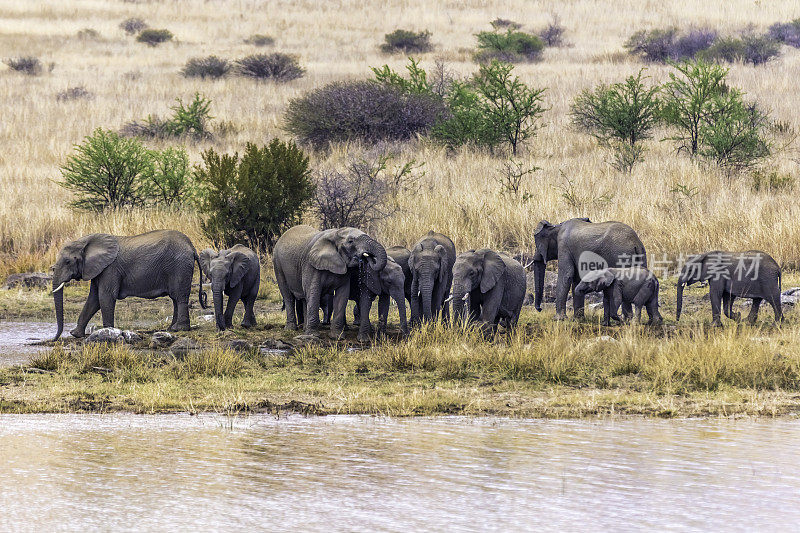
{"points": [[192, 120], [108, 172], [206, 67], [772, 181], [511, 47], [153, 37], [619, 116], [753, 49], [255, 198], [169, 177], [407, 41]]}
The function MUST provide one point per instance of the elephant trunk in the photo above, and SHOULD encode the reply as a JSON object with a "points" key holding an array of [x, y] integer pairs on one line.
{"points": [[58, 300], [538, 278], [679, 305], [426, 294], [376, 253], [216, 290], [460, 297]]}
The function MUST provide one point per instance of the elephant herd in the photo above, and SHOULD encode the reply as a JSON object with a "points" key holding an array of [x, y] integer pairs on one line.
{"points": [[322, 270]]}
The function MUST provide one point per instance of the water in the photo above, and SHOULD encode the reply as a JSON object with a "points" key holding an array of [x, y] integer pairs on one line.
{"points": [[111, 472], [17, 340]]}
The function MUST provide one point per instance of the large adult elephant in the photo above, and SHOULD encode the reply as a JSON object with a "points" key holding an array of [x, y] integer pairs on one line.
{"points": [[431, 264], [751, 274], [491, 284], [150, 265], [580, 246], [309, 263]]}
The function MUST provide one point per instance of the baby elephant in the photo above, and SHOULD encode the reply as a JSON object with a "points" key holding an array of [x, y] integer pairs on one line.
{"points": [[635, 286], [237, 273]]}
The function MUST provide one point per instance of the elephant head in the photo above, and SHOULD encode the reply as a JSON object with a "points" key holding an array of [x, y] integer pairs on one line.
{"points": [[595, 281], [546, 239], [336, 250], [475, 269], [84, 259], [225, 269], [428, 266]]}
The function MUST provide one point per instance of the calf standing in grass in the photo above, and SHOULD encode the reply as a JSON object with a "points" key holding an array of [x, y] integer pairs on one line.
{"points": [[634, 286], [237, 273]]}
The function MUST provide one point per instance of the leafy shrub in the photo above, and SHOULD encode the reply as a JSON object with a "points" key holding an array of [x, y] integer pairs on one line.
{"points": [[713, 120], [407, 41], [689, 45], [169, 177], [786, 32], [364, 193], [747, 49], [74, 93], [88, 34], [27, 65], [153, 37], [206, 67], [190, 120], [360, 110], [494, 108], [553, 33], [511, 46], [619, 116], [654, 45], [107, 172], [277, 66], [133, 25], [255, 198], [259, 39]]}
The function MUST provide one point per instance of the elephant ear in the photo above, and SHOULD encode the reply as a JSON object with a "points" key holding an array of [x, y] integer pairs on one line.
{"points": [[100, 251], [324, 256], [370, 278], [493, 268], [443, 263], [240, 265], [542, 226], [605, 279], [205, 259], [412, 257]]}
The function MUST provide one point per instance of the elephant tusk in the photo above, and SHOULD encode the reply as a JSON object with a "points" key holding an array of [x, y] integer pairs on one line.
{"points": [[58, 288], [448, 299], [366, 255], [466, 297]]}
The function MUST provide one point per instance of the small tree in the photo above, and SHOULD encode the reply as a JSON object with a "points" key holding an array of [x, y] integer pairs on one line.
{"points": [[108, 172], [170, 177], [255, 198], [688, 98], [619, 116], [734, 134]]}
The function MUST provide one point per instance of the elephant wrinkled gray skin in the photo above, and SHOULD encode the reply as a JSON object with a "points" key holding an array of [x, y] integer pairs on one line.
{"points": [[366, 284], [492, 284], [309, 263], [235, 272], [635, 286], [401, 254], [751, 274], [610, 244], [431, 264], [150, 265]]}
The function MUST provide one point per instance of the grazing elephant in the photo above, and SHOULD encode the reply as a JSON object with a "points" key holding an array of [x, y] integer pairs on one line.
{"points": [[158, 263], [236, 273], [310, 263], [493, 284], [431, 264], [635, 286], [580, 246], [751, 274]]}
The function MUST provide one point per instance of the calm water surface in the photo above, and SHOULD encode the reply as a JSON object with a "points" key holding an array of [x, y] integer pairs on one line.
{"points": [[112, 472]]}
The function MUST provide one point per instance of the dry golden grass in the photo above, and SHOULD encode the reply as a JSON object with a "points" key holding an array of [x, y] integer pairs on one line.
{"points": [[339, 39]]}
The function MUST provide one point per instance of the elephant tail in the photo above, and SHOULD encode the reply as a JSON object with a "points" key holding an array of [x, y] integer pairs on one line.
{"points": [[201, 294]]}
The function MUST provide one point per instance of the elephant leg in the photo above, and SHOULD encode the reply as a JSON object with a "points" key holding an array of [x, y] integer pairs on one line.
{"points": [[364, 327], [566, 272], [753, 316], [715, 292], [182, 324], [627, 311], [400, 300], [340, 299], [638, 314], [356, 314], [249, 319], [727, 305], [327, 307], [383, 312], [90, 308], [416, 312], [291, 307], [312, 312], [652, 311], [107, 305], [300, 309], [578, 300], [174, 312], [233, 299], [775, 302], [607, 308]]}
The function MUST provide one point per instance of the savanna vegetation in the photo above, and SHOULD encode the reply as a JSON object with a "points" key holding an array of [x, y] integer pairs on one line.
{"points": [[679, 121]]}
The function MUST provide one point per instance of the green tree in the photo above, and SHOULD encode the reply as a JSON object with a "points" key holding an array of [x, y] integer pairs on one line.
{"points": [[170, 177], [255, 198]]}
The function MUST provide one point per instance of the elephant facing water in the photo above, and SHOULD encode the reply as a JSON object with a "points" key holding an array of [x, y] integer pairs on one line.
{"points": [[150, 265], [237, 274], [431, 265]]}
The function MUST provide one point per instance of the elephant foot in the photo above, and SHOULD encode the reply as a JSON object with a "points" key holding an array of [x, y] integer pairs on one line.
{"points": [[560, 316], [655, 321], [363, 338], [78, 333], [179, 327], [336, 335], [247, 324], [716, 323], [290, 327]]}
